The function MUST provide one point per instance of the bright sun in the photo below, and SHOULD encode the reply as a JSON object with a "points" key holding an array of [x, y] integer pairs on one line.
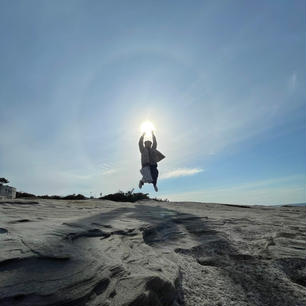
{"points": [[147, 127]]}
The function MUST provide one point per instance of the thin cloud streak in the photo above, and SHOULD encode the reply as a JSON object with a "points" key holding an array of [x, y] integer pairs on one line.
{"points": [[109, 171], [180, 172], [292, 82]]}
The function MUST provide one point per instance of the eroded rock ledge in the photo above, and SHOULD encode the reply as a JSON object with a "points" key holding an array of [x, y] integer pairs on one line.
{"points": [[168, 254]]}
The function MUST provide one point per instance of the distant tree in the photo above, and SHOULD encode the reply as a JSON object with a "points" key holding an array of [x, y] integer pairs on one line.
{"points": [[3, 180], [129, 196], [74, 197], [20, 194]]}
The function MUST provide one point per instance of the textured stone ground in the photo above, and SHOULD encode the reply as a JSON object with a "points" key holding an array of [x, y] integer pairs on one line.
{"points": [[150, 253]]}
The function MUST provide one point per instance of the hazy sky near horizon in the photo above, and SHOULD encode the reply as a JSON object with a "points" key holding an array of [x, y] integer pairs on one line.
{"points": [[222, 81]]}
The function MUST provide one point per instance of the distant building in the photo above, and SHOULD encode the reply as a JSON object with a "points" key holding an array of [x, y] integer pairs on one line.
{"points": [[6, 192]]}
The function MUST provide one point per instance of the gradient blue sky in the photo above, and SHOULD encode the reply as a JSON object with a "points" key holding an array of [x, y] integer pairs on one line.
{"points": [[223, 82]]}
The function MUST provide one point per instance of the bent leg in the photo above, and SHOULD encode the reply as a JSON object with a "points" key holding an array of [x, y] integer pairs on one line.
{"points": [[154, 173]]}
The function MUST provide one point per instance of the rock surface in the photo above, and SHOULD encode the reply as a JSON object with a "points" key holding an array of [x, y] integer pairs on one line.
{"points": [[150, 253]]}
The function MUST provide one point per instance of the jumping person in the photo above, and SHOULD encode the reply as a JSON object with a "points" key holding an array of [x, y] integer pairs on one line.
{"points": [[149, 159]]}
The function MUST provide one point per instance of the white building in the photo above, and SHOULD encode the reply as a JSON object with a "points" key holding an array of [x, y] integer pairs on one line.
{"points": [[7, 192]]}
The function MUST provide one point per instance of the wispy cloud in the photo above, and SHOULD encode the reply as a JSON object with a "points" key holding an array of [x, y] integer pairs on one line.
{"points": [[109, 171], [292, 81], [180, 172]]}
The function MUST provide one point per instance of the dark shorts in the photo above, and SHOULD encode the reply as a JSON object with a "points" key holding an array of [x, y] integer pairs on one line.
{"points": [[154, 173]]}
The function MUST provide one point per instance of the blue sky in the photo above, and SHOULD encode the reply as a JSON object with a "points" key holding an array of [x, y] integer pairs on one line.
{"points": [[223, 82]]}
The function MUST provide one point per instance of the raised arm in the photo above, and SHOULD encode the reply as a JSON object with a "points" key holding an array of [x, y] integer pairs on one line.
{"points": [[141, 147], [154, 146]]}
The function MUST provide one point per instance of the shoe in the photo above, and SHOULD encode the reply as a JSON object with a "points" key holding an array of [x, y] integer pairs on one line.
{"points": [[155, 188], [140, 184]]}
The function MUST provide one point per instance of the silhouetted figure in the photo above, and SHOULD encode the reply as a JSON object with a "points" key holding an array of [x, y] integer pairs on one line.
{"points": [[150, 156]]}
